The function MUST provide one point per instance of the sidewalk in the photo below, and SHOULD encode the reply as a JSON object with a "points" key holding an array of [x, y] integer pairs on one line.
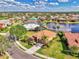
{"points": [[8, 55], [2, 33], [34, 53]]}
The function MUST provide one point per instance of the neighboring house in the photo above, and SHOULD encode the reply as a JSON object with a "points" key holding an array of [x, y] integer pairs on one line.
{"points": [[12, 20], [72, 39], [61, 20], [1, 25], [42, 18], [31, 21], [75, 17], [4, 23], [31, 26], [33, 18], [37, 37]]}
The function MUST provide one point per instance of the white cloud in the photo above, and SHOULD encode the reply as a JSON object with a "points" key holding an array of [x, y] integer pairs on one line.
{"points": [[40, 2], [46, 0], [74, 2], [9, 0], [63, 0], [53, 3], [34, 0]]}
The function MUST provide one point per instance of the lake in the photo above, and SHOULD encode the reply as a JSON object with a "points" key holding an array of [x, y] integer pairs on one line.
{"points": [[64, 27]]}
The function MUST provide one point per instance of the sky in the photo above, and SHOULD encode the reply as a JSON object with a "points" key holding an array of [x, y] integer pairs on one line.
{"points": [[53, 4], [40, 5], [57, 2]]}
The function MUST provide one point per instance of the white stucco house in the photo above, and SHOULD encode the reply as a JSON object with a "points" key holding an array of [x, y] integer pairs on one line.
{"points": [[5, 22], [31, 26]]}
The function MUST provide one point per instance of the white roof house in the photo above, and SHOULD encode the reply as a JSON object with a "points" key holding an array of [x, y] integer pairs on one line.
{"points": [[31, 26], [6, 22]]}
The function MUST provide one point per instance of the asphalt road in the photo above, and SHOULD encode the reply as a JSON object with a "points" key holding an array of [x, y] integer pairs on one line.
{"points": [[17, 53]]}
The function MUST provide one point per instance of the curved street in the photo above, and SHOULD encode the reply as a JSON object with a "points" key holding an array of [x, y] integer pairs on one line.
{"points": [[17, 53]]}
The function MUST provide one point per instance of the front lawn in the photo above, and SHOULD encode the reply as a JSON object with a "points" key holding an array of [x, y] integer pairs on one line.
{"points": [[25, 44], [3, 17], [55, 50], [30, 33]]}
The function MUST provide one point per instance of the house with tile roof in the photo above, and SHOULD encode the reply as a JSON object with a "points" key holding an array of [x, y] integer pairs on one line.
{"points": [[37, 37], [72, 39], [1, 25], [4, 23]]}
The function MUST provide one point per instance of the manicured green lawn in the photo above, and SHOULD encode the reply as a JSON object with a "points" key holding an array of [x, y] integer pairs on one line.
{"points": [[46, 21], [30, 33], [3, 18], [55, 50], [73, 22], [25, 44]]}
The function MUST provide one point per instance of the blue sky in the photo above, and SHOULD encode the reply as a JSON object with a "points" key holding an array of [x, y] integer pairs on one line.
{"points": [[53, 5], [60, 2], [39, 5]]}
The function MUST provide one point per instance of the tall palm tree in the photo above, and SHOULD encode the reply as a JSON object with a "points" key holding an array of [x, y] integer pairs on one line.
{"points": [[45, 40]]}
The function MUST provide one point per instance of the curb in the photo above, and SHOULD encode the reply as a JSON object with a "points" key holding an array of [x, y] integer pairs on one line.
{"points": [[8, 55], [37, 54], [21, 46]]}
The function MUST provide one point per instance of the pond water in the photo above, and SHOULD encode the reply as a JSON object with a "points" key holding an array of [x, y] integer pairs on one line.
{"points": [[64, 27]]}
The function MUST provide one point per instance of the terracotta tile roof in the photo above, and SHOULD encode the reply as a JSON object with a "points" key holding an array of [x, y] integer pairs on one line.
{"points": [[1, 25], [49, 34], [73, 38]]}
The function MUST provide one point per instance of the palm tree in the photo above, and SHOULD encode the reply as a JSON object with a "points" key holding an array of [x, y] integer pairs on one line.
{"points": [[60, 34], [45, 40]]}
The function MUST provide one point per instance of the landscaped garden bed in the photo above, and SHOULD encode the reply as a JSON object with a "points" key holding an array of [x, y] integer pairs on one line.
{"points": [[26, 44]]}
